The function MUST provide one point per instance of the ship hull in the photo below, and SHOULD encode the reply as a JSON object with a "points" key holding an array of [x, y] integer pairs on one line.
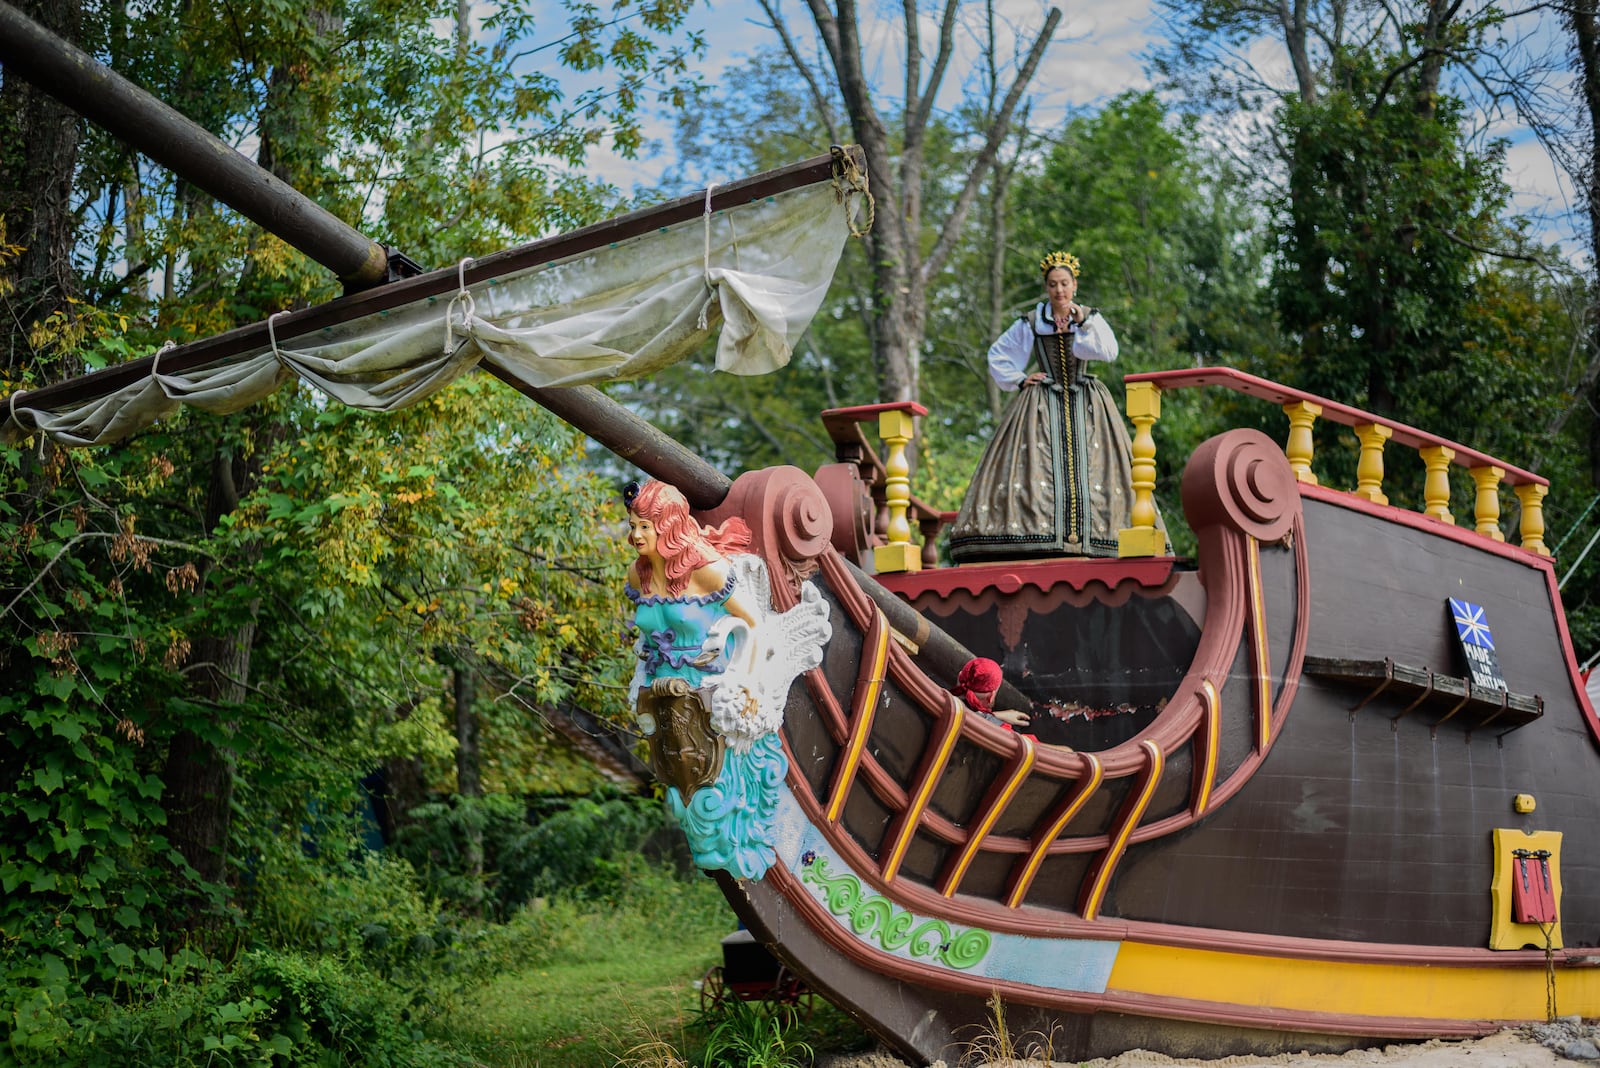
{"points": [[1223, 835]]}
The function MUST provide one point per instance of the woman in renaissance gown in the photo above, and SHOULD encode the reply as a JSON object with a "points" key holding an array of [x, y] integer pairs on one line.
{"points": [[692, 624], [1056, 478]]}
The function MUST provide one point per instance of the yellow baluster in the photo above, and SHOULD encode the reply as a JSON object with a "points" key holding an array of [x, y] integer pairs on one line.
{"points": [[1298, 448], [1487, 508], [1369, 469], [1532, 498], [895, 428], [1436, 484], [1142, 538]]}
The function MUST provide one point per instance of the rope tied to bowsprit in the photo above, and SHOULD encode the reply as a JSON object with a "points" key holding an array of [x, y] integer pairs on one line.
{"points": [[850, 180]]}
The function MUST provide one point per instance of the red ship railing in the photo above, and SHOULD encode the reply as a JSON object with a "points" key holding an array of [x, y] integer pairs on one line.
{"points": [[886, 480], [1236, 618], [1373, 431]]}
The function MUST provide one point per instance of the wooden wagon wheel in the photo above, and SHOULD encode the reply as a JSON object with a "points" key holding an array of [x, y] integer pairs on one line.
{"points": [[789, 992], [713, 991]]}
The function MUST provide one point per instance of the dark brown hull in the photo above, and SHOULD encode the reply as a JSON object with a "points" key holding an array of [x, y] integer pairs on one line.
{"points": [[1246, 854]]}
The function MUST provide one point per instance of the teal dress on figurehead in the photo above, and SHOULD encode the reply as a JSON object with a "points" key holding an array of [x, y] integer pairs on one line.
{"points": [[675, 629], [728, 822]]}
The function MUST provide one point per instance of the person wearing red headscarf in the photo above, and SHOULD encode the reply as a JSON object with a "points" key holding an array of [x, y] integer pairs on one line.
{"points": [[977, 684]]}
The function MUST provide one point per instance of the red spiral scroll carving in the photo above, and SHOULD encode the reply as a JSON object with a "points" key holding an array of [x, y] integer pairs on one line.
{"points": [[1241, 480], [790, 525]]}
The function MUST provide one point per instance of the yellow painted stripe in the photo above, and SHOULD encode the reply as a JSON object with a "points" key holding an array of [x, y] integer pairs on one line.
{"points": [[866, 706], [1258, 614], [913, 814], [1213, 740], [981, 832], [1345, 988], [1095, 774], [1113, 854]]}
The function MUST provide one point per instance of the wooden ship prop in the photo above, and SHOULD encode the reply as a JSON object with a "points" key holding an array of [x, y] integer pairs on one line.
{"points": [[1270, 799], [1267, 803]]}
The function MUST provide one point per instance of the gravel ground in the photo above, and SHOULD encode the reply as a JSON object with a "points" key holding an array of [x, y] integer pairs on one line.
{"points": [[1539, 1046]]}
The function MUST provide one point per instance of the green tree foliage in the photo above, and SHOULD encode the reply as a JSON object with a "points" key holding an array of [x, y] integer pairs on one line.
{"points": [[462, 529], [1385, 211], [1170, 251], [215, 630]]}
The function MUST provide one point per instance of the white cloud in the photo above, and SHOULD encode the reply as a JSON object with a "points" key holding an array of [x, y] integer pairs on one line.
{"points": [[1096, 53]]}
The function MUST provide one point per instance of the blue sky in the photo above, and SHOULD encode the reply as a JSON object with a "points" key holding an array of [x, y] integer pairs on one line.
{"points": [[1097, 52]]}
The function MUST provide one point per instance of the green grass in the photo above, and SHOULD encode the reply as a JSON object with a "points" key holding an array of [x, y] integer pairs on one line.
{"points": [[593, 984], [597, 979]]}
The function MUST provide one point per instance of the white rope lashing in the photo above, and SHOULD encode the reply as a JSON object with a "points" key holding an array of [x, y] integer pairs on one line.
{"points": [[705, 266], [463, 300], [12, 404], [155, 363], [272, 335]]}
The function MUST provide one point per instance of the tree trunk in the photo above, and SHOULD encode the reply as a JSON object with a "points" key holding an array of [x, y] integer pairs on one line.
{"points": [[1295, 22], [38, 158], [133, 227], [199, 774], [900, 270], [1584, 22], [469, 778], [997, 295]]}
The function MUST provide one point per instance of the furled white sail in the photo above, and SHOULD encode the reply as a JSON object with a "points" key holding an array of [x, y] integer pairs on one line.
{"points": [[758, 270]]}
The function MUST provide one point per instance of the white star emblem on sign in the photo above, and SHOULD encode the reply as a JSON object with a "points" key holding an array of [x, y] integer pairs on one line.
{"points": [[1470, 625]]}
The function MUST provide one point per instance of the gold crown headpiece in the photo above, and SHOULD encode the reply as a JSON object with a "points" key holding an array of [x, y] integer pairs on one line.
{"points": [[1059, 259]]}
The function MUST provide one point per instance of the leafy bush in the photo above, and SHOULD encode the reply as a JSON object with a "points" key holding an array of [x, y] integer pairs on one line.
{"points": [[371, 908], [270, 1009], [574, 847]]}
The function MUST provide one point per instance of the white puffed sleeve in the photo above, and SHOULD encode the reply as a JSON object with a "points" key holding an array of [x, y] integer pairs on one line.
{"points": [[1095, 341], [1009, 355]]}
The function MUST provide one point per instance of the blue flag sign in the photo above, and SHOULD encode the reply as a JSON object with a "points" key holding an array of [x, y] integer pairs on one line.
{"points": [[1477, 645]]}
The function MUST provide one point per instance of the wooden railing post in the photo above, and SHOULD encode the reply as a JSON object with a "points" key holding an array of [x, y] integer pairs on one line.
{"points": [[1436, 483], [1375, 433], [1369, 468], [1298, 448], [1531, 495], [929, 526], [895, 428], [1486, 509], [1142, 538]]}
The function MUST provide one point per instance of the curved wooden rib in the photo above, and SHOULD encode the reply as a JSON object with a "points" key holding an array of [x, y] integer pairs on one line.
{"points": [[1094, 884], [989, 809], [1261, 662], [934, 760], [1022, 874], [1205, 749], [869, 684]]}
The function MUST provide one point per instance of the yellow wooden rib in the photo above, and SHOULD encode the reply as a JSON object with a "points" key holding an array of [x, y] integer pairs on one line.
{"points": [[861, 713], [980, 832], [1108, 864], [1092, 780], [913, 813]]}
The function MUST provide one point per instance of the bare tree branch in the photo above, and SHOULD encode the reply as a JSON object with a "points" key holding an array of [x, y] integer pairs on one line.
{"points": [[819, 100], [985, 157]]}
